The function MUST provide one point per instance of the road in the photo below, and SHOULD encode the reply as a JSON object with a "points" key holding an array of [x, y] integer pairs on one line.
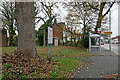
{"points": [[114, 47]]}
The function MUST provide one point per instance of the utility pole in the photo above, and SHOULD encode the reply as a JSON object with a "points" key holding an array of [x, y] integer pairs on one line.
{"points": [[110, 29]]}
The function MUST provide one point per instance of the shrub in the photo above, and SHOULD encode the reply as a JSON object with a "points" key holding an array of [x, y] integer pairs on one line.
{"points": [[85, 42], [8, 66], [24, 77]]}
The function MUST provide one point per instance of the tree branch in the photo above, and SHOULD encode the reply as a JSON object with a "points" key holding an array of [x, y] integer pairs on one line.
{"points": [[41, 19], [108, 9], [93, 7]]}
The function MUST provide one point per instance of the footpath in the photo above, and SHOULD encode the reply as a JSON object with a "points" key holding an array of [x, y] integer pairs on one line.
{"points": [[98, 66]]}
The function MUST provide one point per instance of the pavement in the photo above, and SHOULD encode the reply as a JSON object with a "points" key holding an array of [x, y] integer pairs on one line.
{"points": [[98, 66], [114, 47]]}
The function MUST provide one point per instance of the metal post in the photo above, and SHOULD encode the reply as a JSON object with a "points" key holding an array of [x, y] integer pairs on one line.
{"points": [[50, 52], [110, 30], [118, 25], [44, 38], [100, 43], [47, 50], [89, 42], [118, 38]]}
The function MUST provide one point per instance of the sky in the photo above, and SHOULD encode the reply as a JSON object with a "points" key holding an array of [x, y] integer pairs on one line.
{"points": [[114, 20]]}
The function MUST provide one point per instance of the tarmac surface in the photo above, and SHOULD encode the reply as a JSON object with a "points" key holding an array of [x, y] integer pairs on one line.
{"points": [[98, 66], [114, 48]]}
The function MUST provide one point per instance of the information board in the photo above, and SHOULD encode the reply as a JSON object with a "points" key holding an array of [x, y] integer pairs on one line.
{"points": [[50, 35]]}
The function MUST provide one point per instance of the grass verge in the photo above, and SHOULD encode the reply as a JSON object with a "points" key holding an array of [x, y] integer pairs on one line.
{"points": [[67, 59]]}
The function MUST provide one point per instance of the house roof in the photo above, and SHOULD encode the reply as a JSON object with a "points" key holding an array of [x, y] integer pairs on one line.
{"points": [[59, 24], [95, 35], [117, 37]]}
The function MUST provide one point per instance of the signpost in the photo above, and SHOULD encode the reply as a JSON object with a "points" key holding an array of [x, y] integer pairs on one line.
{"points": [[50, 42], [108, 32], [50, 35], [44, 37]]}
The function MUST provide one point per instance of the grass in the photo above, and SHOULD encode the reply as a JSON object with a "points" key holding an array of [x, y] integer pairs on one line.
{"points": [[67, 59], [68, 52], [66, 66], [0, 75], [8, 49]]}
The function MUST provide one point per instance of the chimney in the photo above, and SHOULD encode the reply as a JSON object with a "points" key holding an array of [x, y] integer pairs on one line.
{"points": [[55, 20]]}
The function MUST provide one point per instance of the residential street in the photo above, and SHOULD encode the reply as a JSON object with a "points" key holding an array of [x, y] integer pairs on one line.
{"points": [[65, 39], [114, 47], [98, 66]]}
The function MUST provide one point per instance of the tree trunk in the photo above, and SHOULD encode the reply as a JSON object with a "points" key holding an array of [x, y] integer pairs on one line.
{"points": [[100, 16], [11, 32], [74, 42], [10, 38], [24, 14]]}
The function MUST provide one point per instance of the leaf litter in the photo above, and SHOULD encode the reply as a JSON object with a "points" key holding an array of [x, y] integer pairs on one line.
{"points": [[17, 66]]}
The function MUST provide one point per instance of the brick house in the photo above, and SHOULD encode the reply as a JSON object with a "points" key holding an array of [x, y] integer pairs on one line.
{"points": [[58, 31], [3, 38]]}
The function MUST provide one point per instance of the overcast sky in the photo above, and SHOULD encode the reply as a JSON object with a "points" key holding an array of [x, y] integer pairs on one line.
{"points": [[114, 20]]}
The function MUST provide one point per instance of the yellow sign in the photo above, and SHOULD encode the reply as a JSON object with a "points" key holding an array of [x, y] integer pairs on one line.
{"points": [[108, 32]]}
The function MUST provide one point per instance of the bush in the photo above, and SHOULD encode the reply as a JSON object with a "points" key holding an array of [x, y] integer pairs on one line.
{"points": [[85, 42], [39, 38]]}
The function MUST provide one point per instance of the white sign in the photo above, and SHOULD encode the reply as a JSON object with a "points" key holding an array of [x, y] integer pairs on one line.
{"points": [[56, 42], [50, 35]]}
